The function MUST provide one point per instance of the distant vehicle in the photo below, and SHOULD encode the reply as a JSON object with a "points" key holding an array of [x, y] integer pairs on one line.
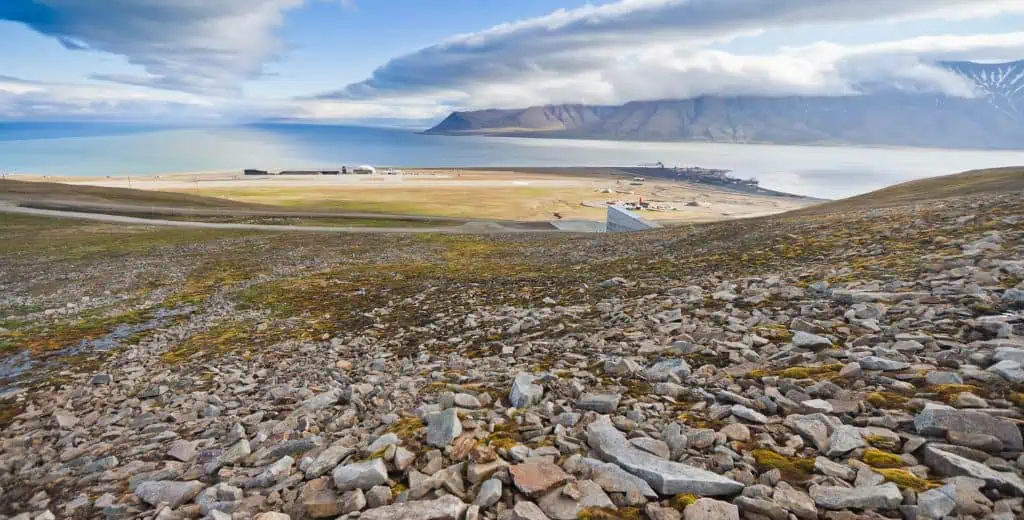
{"points": [[639, 179], [364, 170]]}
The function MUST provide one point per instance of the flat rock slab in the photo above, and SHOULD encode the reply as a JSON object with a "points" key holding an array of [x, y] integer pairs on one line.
{"points": [[558, 506], [600, 403], [174, 493], [936, 420], [665, 476], [447, 507], [951, 465], [534, 478], [885, 496], [361, 475]]}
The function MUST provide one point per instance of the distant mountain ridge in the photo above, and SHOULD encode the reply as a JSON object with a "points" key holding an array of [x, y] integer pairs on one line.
{"points": [[993, 119]]}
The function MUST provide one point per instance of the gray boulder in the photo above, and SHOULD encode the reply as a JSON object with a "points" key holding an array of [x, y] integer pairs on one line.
{"points": [[1012, 371], [174, 493], [600, 403], [885, 496], [360, 475], [711, 509], [662, 370], [664, 476], [447, 507], [936, 420], [950, 465], [525, 392], [883, 364], [444, 428], [937, 503], [810, 341]]}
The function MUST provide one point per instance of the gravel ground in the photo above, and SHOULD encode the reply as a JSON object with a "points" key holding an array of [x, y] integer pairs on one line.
{"points": [[865, 364]]}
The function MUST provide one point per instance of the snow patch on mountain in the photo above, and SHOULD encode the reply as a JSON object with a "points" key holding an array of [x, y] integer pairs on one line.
{"points": [[1001, 84]]}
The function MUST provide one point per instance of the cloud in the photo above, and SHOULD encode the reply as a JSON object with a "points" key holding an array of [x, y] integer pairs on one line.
{"points": [[652, 49], [189, 45], [24, 99]]}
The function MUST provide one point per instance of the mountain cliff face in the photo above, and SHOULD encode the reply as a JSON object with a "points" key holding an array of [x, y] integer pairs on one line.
{"points": [[992, 119]]}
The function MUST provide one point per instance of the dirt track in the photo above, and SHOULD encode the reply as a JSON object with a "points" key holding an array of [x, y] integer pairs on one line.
{"points": [[467, 227]]}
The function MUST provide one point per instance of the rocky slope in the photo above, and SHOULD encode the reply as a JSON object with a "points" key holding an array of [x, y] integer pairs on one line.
{"points": [[862, 364], [994, 119]]}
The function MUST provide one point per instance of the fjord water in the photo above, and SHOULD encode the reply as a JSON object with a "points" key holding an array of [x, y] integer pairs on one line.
{"points": [[84, 149]]}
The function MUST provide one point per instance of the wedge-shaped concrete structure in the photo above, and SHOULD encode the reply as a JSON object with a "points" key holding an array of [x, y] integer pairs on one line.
{"points": [[621, 220]]}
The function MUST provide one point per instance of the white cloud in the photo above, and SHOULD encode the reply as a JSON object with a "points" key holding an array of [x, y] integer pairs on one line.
{"points": [[654, 49], [191, 45], [21, 98]]}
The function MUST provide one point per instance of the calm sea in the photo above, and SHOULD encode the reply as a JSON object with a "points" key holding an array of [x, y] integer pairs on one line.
{"points": [[120, 149]]}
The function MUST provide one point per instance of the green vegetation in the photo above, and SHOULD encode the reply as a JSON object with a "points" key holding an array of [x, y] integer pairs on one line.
{"points": [[906, 479], [793, 469], [880, 459]]}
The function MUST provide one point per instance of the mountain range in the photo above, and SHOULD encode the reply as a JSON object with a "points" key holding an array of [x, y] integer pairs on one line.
{"points": [[992, 119]]}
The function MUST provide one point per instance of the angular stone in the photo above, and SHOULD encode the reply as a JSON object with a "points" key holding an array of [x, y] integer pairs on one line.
{"points": [[525, 392], [795, 501], [621, 367], [382, 442], [378, 496], [65, 420], [182, 450], [937, 503], [1012, 371], [353, 501], [664, 476], [1008, 354], [662, 370], [949, 464], [101, 379], [760, 507], [736, 432], [711, 509], [318, 500], [361, 475], [525, 510], [886, 496], [600, 403], [558, 506], [807, 340], [883, 364], [174, 493], [327, 459], [444, 428], [466, 401], [936, 420], [748, 414], [447, 507], [272, 516], [844, 439], [652, 446], [978, 441], [614, 479], [272, 473], [834, 469], [534, 478], [489, 494]]}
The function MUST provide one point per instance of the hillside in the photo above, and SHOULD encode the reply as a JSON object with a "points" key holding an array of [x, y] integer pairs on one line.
{"points": [[881, 116], [861, 362]]}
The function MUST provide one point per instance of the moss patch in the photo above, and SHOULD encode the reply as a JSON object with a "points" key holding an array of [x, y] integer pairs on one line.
{"points": [[880, 459], [607, 513], [906, 479], [682, 500], [793, 469]]}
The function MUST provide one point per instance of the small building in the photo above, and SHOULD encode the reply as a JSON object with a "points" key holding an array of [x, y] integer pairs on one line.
{"points": [[256, 172], [364, 170]]}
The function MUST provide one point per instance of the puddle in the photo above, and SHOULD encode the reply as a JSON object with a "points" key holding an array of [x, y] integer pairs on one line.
{"points": [[14, 366]]}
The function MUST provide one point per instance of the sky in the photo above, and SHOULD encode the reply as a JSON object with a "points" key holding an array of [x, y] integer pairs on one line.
{"points": [[417, 60]]}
